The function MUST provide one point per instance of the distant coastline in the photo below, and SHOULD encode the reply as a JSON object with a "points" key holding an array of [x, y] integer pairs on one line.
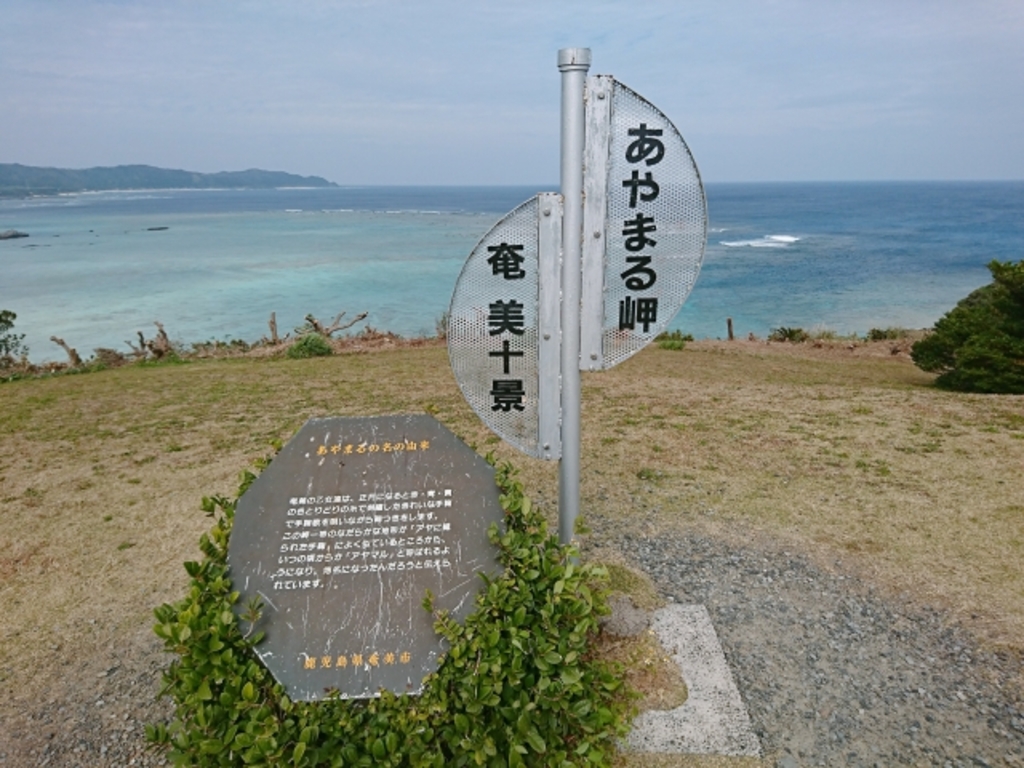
{"points": [[18, 181]]}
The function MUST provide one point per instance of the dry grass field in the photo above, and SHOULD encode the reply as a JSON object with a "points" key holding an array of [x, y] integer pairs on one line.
{"points": [[846, 455]]}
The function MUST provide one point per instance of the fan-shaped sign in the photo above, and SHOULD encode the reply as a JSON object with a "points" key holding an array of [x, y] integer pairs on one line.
{"points": [[644, 224], [503, 327]]}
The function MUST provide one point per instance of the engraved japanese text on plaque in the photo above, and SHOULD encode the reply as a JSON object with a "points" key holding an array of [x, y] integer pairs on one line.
{"points": [[342, 536]]}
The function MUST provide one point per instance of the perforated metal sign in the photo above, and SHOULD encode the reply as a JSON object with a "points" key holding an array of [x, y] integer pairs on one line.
{"points": [[503, 327], [643, 237], [644, 224]]}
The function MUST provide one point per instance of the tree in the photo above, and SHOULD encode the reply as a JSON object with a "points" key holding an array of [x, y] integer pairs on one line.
{"points": [[11, 344], [978, 346]]}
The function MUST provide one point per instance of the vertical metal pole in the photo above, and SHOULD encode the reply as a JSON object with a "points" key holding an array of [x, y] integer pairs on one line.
{"points": [[573, 63]]}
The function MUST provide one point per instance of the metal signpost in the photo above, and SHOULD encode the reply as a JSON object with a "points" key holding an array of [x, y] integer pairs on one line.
{"points": [[356, 519], [586, 278], [573, 63]]}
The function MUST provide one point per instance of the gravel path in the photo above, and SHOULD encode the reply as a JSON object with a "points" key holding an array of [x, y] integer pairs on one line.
{"points": [[97, 717], [832, 674]]}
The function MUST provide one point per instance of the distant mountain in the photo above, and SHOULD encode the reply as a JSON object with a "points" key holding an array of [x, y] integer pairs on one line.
{"points": [[24, 180]]}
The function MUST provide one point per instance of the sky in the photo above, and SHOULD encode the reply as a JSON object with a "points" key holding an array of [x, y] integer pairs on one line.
{"points": [[467, 92]]}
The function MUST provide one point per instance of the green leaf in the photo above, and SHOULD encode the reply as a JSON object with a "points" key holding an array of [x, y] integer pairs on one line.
{"points": [[535, 741], [571, 677], [582, 707]]}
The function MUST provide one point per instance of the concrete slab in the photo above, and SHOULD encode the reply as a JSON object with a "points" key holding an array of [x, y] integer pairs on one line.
{"points": [[714, 720]]}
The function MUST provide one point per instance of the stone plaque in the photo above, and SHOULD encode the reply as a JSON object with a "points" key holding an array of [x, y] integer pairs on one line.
{"points": [[342, 536]]}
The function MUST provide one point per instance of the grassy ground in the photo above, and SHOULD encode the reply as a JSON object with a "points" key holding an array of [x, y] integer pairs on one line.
{"points": [[855, 459], [848, 456]]}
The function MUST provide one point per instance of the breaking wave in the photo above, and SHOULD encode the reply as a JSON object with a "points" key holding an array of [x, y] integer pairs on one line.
{"points": [[768, 241]]}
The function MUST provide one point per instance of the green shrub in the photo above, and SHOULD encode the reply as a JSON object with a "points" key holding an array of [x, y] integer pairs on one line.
{"points": [[214, 346], [310, 345], [794, 335], [519, 685], [886, 334], [673, 339], [11, 344], [978, 346]]}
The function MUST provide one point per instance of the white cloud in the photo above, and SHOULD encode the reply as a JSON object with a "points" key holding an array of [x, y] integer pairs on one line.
{"points": [[461, 92]]}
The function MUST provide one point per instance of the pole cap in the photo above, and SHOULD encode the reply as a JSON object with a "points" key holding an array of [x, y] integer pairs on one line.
{"points": [[574, 58]]}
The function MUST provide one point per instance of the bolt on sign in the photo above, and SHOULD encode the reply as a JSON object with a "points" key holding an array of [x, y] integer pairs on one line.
{"points": [[342, 536], [643, 238]]}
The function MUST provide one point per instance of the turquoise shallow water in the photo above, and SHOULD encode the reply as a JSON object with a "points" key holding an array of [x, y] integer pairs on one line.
{"points": [[843, 256]]}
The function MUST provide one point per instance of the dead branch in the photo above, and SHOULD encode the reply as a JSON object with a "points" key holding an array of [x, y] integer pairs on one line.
{"points": [[273, 329], [73, 359], [275, 338], [315, 326], [159, 345], [108, 357], [139, 351]]}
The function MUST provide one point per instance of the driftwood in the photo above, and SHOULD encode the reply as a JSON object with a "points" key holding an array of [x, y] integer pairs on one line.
{"points": [[73, 359], [315, 326]]}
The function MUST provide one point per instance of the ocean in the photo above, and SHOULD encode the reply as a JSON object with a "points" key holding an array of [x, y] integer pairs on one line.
{"points": [[213, 264]]}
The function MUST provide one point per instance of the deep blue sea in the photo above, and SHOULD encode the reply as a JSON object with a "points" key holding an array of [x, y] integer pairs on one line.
{"points": [[841, 256]]}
